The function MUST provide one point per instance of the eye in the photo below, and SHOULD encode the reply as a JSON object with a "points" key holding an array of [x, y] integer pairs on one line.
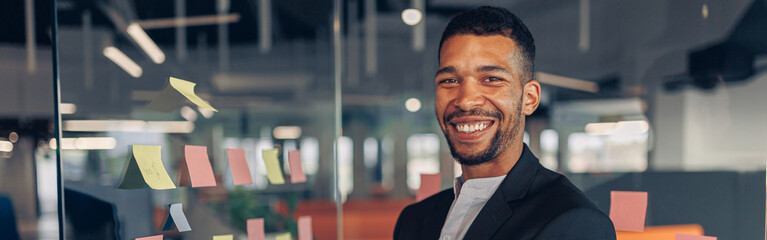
{"points": [[449, 80], [492, 79]]}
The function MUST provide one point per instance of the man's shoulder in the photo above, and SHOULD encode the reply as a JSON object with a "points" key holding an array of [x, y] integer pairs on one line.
{"points": [[557, 189], [554, 205], [428, 204], [413, 219]]}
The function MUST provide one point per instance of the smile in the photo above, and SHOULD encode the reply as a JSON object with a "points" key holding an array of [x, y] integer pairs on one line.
{"points": [[472, 126], [467, 128]]}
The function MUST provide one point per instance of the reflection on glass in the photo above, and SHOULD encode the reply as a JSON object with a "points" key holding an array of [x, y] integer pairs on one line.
{"points": [[423, 157], [345, 166], [371, 152], [549, 149]]}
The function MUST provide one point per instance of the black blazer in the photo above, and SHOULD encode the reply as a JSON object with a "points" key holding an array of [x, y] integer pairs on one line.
{"points": [[532, 202]]}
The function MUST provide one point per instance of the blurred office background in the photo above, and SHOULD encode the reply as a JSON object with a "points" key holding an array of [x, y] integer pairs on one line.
{"points": [[656, 95]]}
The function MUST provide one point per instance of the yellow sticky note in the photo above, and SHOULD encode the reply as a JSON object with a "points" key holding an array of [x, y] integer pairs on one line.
{"points": [[273, 171], [149, 160], [223, 237], [186, 88], [283, 236]]}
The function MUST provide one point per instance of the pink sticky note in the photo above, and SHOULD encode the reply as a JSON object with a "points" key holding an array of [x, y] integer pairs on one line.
{"points": [[628, 210], [305, 228], [680, 236], [297, 174], [240, 169], [429, 186], [256, 229], [200, 170], [155, 237]]}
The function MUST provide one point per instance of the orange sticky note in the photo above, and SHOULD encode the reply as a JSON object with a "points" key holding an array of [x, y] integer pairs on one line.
{"points": [[240, 169], [155, 237], [256, 229], [429, 186], [680, 236], [200, 170], [628, 210], [305, 228], [297, 174]]}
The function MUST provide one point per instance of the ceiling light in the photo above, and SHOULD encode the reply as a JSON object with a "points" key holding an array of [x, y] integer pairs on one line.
{"points": [[128, 126], [67, 108], [287, 132], [566, 82], [413, 104], [13, 137], [142, 39], [207, 113], [412, 16], [122, 60], [188, 113], [6, 146]]}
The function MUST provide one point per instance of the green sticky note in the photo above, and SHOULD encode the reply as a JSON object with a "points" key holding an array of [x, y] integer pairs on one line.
{"points": [[273, 170], [283, 236]]}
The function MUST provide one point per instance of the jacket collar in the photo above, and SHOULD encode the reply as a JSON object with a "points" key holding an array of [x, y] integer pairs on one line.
{"points": [[498, 208]]}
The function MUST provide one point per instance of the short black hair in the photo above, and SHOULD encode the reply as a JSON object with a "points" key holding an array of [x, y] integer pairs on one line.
{"points": [[486, 21]]}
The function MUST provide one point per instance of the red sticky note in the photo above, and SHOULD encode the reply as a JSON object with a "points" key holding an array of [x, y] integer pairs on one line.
{"points": [[155, 237], [256, 229], [200, 170], [628, 210], [239, 166], [680, 236], [429, 186], [305, 228], [297, 174]]}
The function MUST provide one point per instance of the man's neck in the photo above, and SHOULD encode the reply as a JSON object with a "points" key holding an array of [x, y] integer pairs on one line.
{"points": [[499, 166]]}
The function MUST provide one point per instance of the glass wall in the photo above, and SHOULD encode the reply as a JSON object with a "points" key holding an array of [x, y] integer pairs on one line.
{"points": [[194, 119], [254, 114], [28, 178]]}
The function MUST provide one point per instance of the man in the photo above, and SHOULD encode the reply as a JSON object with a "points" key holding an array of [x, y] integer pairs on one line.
{"points": [[484, 91]]}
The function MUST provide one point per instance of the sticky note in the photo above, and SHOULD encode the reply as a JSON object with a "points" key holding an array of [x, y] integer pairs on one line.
{"points": [[680, 236], [145, 162], [223, 237], [305, 228], [429, 186], [256, 229], [177, 218], [239, 166], [200, 170], [297, 174], [273, 171], [283, 236], [155, 237], [628, 210], [174, 93]]}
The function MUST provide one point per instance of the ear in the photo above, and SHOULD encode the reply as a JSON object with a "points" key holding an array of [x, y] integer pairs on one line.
{"points": [[531, 97]]}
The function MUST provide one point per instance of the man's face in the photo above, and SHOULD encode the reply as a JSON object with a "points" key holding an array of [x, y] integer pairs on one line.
{"points": [[479, 98]]}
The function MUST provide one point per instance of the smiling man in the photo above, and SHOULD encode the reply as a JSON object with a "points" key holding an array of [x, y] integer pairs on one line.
{"points": [[484, 91]]}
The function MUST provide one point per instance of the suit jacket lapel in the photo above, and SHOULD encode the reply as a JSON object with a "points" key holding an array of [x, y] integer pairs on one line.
{"points": [[499, 207], [436, 219]]}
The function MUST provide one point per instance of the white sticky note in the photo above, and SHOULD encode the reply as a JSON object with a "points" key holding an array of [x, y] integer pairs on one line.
{"points": [[177, 218]]}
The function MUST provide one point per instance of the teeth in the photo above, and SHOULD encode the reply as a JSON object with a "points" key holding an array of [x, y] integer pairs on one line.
{"points": [[471, 127]]}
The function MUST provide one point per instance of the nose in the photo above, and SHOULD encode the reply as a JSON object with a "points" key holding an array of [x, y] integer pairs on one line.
{"points": [[469, 97]]}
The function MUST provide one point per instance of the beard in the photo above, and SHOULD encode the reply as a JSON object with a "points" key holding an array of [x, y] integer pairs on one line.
{"points": [[502, 138]]}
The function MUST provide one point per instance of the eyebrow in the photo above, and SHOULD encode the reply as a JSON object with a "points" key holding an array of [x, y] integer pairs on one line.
{"points": [[486, 68], [492, 68], [446, 70]]}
